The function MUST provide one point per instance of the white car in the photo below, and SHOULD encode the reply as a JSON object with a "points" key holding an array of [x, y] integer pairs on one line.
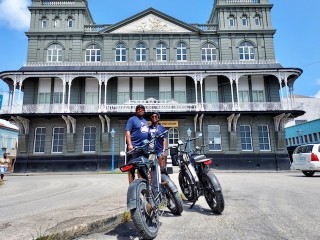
{"points": [[306, 158]]}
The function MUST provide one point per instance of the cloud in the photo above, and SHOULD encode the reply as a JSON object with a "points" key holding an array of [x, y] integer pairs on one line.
{"points": [[318, 81], [15, 14]]}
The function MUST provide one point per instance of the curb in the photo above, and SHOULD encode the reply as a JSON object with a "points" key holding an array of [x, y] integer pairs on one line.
{"points": [[101, 225]]}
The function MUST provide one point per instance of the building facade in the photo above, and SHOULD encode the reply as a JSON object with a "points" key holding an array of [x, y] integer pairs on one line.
{"points": [[84, 79]]}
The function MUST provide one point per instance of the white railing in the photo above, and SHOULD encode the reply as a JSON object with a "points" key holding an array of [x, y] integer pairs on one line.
{"points": [[148, 63], [169, 106], [58, 2], [243, 1]]}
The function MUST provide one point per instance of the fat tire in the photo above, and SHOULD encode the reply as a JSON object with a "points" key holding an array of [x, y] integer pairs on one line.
{"points": [[187, 186], [175, 198], [308, 173], [214, 198], [146, 226]]}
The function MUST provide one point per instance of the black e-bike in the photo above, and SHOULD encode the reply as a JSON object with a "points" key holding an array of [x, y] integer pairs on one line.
{"points": [[196, 178], [151, 192]]}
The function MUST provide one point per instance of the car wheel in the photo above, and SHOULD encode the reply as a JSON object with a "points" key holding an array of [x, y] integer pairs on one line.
{"points": [[308, 173]]}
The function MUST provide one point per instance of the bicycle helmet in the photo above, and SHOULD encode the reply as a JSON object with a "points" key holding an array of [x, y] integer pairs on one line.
{"points": [[140, 106], [153, 113]]}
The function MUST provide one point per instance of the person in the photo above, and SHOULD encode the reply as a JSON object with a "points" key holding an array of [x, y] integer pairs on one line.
{"points": [[4, 164], [136, 132], [157, 129]]}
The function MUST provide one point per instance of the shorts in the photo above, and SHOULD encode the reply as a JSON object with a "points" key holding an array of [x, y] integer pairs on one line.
{"points": [[3, 169]]}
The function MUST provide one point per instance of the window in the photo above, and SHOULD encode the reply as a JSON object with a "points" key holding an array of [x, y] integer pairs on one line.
{"points": [[258, 96], [173, 136], [165, 88], [231, 22], [91, 98], [211, 96], [54, 53], [293, 141], [44, 98], [264, 139], [44, 23], [297, 140], [141, 53], [57, 97], [70, 22], [214, 138], [246, 139], [93, 54], [315, 137], [306, 138], [244, 21], [39, 140], [89, 139], [243, 96], [246, 51], [161, 52], [181, 52], [57, 22], [121, 53], [257, 21], [57, 139], [208, 53]]}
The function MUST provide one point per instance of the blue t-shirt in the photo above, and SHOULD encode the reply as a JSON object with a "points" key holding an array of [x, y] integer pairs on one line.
{"points": [[156, 130], [138, 129]]}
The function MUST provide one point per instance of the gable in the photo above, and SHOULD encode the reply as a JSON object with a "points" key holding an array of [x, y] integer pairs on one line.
{"points": [[151, 24]]}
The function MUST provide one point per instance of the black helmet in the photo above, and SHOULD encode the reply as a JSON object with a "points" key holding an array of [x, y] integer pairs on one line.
{"points": [[158, 114], [140, 106]]}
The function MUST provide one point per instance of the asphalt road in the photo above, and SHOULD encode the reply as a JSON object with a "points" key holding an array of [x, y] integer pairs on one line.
{"points": [[274, 205]]}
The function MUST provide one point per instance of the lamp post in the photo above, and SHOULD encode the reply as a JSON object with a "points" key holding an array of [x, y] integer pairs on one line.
{"points": [[113, 133], [189, 135]]}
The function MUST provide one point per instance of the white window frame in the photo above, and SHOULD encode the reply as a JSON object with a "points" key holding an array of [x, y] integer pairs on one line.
{"points": [[54, 53], [264, 138], [231, 21], [244, 20], [57, 22], [44, 23], [39, 137], [246, 51], [257, 21], [246, 138], [121, 53], [161, 52], [93, 53], [214, 138], [57, 136], [87, 141], [141, 52], [208, 53], [181, 52], [70, 22]]}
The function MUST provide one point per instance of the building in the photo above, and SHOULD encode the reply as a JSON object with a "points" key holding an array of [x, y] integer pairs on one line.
{"points": [[8, 140], [84, 79]]}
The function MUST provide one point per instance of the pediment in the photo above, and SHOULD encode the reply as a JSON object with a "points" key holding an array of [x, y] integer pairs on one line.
{"points": [[151, 21], [151, 24]]}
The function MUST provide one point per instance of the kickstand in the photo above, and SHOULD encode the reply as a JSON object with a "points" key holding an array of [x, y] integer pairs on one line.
{"points": [[192, 205]]}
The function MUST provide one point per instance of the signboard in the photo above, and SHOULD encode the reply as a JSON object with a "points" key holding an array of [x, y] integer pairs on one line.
{"points": [[167, 124]]}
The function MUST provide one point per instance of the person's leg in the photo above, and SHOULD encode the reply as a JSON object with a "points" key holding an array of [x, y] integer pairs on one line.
{"points": [[2, 175]]}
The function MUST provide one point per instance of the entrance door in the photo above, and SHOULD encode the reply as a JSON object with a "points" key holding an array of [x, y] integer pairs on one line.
{"points": [[173, 137]]}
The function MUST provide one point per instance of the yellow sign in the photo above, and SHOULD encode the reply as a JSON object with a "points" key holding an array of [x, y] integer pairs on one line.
{"points": [[168, 124]]}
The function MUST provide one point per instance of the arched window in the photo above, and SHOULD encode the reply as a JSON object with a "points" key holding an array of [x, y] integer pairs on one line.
{"points": [[181, 51], [161, 52], [231, 21], [244, 20], [141, 52], [70, 22], [44, 22], [54, 53], [208, 52], [93, 54], [257, 21], [121, 53], [246, 51], [57, 22]]}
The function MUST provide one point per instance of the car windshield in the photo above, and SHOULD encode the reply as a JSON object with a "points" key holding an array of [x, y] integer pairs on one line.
{"points": [[304, 149]]}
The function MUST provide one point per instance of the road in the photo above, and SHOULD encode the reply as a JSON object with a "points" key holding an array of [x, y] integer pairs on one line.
{"points": [[273, 205]]}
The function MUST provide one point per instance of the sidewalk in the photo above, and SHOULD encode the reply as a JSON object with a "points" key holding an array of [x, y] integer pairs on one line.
{"points": [[62, 205]]}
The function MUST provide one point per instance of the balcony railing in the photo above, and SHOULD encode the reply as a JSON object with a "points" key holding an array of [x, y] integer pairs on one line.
{"points": [[150, 106]]}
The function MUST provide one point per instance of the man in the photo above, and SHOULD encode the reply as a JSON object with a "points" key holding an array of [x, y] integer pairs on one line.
{"points": [[136, 132], [157, 129]]}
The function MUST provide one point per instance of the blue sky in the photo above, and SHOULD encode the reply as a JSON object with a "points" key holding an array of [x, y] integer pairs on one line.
{"points": [[296, 40]]}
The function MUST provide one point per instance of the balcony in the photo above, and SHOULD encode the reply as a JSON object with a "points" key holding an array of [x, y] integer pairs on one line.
{"points": [[155, 105]]}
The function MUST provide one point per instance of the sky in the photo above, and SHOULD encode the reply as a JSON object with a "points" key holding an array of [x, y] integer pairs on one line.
{"points": [[296, 40]]}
